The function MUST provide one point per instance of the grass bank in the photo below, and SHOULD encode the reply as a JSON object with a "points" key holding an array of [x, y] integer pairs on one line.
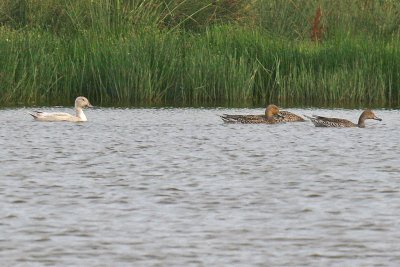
{"points": [[166, 56]]}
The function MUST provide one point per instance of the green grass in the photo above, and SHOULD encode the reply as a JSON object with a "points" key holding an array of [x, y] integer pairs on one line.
{"points": [[159, 53]]}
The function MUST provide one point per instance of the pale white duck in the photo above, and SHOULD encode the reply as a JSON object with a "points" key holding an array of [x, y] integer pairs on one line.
{"points": [[80, 103]]}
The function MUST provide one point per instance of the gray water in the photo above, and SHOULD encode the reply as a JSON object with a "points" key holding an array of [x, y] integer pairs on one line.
{"points": [[177, 187]]}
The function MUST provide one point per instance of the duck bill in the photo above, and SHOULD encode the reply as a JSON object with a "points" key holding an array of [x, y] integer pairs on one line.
{"points": [[378, 119], [89, 105], [280, 116]]}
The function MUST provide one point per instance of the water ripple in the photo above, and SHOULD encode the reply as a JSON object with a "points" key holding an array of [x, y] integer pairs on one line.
{"points": [[177, 187]]}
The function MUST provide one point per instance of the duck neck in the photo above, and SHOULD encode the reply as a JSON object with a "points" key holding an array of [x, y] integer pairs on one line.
{"points": [[270, 116], [361, 122], [80, 114]]}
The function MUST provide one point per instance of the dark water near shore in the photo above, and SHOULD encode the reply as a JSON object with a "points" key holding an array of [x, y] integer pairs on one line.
{"points": [[177, 187]]}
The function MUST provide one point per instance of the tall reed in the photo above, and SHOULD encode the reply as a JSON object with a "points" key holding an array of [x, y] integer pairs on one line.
{"points": [[145, 53]]}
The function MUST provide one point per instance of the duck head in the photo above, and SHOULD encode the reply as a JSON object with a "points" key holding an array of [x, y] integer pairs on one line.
{"points": [[271, 110], [367, 114], [81, 102]]}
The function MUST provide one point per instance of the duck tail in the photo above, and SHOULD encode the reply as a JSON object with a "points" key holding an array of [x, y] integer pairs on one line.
{"points": [[227, 119], [34, 115]]}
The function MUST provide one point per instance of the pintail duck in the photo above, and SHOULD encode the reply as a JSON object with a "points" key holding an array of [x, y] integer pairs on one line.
{"points": [[80, 103], [272, 115], [320, 121]]}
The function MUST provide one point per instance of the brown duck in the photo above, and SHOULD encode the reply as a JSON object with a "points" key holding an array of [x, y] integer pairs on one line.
{"points": [[320, 121], [271, 111], [272, 115]]}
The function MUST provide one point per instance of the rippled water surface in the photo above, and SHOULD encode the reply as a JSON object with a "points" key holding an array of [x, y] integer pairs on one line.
{"points": [[177, 187]]}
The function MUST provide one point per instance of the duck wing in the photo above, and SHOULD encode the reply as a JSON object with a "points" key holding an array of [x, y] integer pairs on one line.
{"points": [[247, 120], [246, 117], [242, 118], [52, 116], [320, 121], [286, 116]]}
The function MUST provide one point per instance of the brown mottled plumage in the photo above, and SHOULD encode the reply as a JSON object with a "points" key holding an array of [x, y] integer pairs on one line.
{"points": [[268, 118], [320, 121], [287, 116], [277, 117]]}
